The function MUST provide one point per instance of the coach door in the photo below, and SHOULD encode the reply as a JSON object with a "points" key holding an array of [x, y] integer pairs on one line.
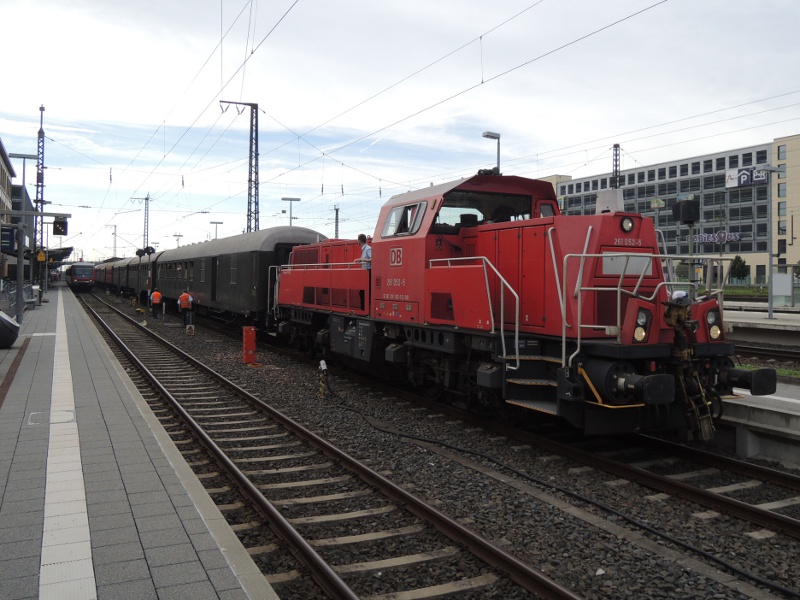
{"points": [[214, 277]]}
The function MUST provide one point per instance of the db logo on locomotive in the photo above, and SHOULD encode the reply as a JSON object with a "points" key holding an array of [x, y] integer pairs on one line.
{"points": [[395, 257]]}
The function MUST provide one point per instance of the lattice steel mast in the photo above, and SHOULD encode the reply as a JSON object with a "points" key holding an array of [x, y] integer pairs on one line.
{"points": [[40, 202], [252, 179]]}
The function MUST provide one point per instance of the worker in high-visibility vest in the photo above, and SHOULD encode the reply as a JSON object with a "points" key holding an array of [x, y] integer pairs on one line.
{"points": [[185, 306], [155, 302]]}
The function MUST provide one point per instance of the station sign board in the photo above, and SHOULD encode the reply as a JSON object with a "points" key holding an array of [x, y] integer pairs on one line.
{"points": [[8, 243]]}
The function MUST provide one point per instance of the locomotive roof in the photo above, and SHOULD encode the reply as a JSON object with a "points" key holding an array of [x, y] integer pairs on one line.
{"points": [[254, 241], [498, 183]]}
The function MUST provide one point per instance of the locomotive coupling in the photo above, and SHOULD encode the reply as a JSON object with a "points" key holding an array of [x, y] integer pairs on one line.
{"points": [[760, 382], [617, 383]]}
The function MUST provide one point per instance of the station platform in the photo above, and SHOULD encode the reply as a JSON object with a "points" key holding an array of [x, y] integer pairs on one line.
{"points": [[95, 500], [755, 314]]}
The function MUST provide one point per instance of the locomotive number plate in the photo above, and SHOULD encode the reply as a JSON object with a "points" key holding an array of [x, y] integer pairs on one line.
{"points": [[627, 242]]}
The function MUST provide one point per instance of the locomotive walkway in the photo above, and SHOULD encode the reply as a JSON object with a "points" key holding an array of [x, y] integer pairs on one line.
{"points": [[95, 500]]}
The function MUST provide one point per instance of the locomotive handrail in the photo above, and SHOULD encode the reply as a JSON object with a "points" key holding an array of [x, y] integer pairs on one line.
{"points": [[712, 263], [561, 300], [303, 266], [583, 261], [505, 284]]}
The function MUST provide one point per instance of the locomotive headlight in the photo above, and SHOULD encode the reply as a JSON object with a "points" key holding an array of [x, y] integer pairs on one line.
{"points": [[643, 318], [712, 317], [715, 332], [627, 224]]}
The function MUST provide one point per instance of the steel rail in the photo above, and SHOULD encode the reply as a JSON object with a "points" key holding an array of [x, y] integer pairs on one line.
{"points": [[717, 502], [522, 573], [320, 570]]}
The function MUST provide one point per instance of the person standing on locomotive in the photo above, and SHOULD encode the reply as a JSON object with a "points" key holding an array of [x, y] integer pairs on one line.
{"points": [[185, 306], [155, 302], [365, 260]]}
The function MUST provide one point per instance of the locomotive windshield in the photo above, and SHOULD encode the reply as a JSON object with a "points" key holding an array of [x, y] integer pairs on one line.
{"points": [[467, 208], [82, 271]]}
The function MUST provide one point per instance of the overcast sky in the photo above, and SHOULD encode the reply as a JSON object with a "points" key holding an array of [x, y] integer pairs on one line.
{"points": [[360, 100]]}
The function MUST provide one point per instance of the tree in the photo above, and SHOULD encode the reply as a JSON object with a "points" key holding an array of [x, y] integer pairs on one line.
{"points": [[739, 268]]}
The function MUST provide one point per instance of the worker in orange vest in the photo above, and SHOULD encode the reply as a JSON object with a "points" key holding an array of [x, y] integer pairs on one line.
{"points": [[155, 302], [185, 306]]}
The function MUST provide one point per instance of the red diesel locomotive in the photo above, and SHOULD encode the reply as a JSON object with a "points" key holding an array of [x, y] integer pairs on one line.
{"points": [[480, 291]]}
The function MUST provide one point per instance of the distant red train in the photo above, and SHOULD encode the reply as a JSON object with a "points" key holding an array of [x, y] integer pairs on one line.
{"points": [[481, 292], [80, 276]]}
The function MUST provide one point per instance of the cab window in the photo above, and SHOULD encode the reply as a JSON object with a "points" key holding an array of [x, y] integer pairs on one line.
{"points": [[404, 220]]}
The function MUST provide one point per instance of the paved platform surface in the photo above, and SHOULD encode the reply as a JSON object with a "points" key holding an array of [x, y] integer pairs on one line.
{"points": [[95, 500]]}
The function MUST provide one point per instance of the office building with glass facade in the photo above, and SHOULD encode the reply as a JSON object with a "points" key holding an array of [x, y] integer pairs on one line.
{"points": [[738, 190]]}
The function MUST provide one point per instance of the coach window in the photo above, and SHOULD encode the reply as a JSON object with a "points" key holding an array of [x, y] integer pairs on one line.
{"points": [[233, 269], [202, 270], [404, 220]]}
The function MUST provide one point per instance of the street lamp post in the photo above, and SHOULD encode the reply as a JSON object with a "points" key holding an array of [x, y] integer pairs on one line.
{"points": [[770, 253], [215, 224], [290, 201], [494, 136]]}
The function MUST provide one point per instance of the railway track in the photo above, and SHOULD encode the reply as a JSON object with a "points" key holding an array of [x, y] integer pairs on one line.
{"points": [[279, 484]]}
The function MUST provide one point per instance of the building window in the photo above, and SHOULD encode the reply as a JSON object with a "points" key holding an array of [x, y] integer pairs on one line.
{"points": [[631, 178], [782, 175], [781, 190], [782, 208], [695, 168], [721, 164], [782, 248], [651, 175], [578, 188], [761, 157], [781, 152], [781, 227], [733, 161], [707, 166], [603, 183], [563, 190], [594, 185], [570, 189], [673, 172], [662, 173], [640, 177], [684, 170], [747, 159]]}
